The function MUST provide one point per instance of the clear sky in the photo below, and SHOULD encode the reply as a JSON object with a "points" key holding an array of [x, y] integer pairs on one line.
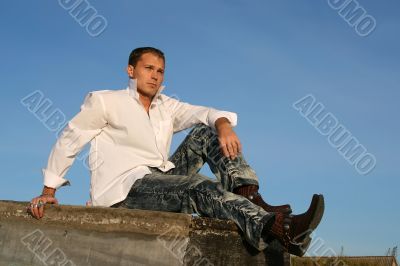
{"points": [[256, 58]]}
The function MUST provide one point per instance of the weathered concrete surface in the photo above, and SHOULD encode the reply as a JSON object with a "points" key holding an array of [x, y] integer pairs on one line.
{"points": [[73, 235]]}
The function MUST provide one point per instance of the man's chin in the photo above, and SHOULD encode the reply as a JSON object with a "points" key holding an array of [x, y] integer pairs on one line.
{"points": [[148, 93]]}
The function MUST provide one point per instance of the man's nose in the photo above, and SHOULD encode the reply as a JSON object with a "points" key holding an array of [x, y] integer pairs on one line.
{"points": [[154, 75]]}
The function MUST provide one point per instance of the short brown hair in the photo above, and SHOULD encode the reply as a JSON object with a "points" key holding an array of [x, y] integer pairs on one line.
{"points": [[137, 53]]}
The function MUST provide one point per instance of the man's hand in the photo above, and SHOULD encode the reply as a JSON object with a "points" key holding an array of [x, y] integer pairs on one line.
{"points": [[228, 140], [36, 207]]}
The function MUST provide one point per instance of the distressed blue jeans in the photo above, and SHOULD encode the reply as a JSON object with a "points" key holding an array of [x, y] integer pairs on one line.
{"points": [[183, 189]]}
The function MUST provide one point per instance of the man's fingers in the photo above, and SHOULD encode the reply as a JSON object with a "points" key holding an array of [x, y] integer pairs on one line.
{"points": [[239, 146], [36, 207], [31, 209], [41, 211], [35, 211], [235, 149], [224, 149], [230, 144], [231, 151]]}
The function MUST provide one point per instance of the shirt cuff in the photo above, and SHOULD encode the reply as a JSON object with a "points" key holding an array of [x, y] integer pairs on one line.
{"points": [[232, 117], [53, 181]]}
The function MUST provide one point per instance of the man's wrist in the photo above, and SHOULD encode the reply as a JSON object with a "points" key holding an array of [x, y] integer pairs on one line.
{"points": [[222, 121], [48, 191]]}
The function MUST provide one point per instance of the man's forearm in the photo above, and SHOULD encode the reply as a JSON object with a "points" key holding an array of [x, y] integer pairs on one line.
{"points": [[49, 191]]}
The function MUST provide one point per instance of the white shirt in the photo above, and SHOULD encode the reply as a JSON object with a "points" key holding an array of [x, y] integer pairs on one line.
{"points": [[124, 139]]}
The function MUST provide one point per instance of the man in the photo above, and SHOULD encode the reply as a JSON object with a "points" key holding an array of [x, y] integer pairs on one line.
{"points": [[130, 132]]}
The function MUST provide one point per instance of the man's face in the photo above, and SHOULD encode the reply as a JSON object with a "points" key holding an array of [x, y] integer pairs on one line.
{"points": [[149, 72]]}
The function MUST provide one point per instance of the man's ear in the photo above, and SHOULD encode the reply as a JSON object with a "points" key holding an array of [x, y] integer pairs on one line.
{"points": [[131, 71]]}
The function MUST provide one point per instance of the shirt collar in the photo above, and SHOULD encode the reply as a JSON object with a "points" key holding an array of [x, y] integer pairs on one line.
{"points": [[132, 87]]}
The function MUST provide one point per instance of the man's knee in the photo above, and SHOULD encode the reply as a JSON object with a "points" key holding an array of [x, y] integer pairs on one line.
{"points": [[202, 131]]}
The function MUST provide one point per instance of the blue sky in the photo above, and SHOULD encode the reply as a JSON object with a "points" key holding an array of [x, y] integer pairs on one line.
{"points": [[255, 58]]}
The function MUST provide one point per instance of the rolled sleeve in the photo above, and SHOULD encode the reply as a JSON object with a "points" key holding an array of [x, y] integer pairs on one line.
{"points": [[215, 115], [52, 180], [186, 115]]}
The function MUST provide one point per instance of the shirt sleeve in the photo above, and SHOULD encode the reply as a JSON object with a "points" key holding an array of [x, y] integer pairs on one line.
{"points": [[186, 115], [87, 124]]}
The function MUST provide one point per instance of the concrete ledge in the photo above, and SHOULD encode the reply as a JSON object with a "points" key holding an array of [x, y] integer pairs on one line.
{"points": [[74, 235]]}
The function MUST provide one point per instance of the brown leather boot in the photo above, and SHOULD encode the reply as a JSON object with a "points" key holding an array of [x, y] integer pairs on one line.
{"points": [[280, 231], [312, 217], [251, 193], [293, 231]]}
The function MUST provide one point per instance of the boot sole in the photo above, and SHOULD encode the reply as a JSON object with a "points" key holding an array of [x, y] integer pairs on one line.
{"points": [[300, 249]]}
